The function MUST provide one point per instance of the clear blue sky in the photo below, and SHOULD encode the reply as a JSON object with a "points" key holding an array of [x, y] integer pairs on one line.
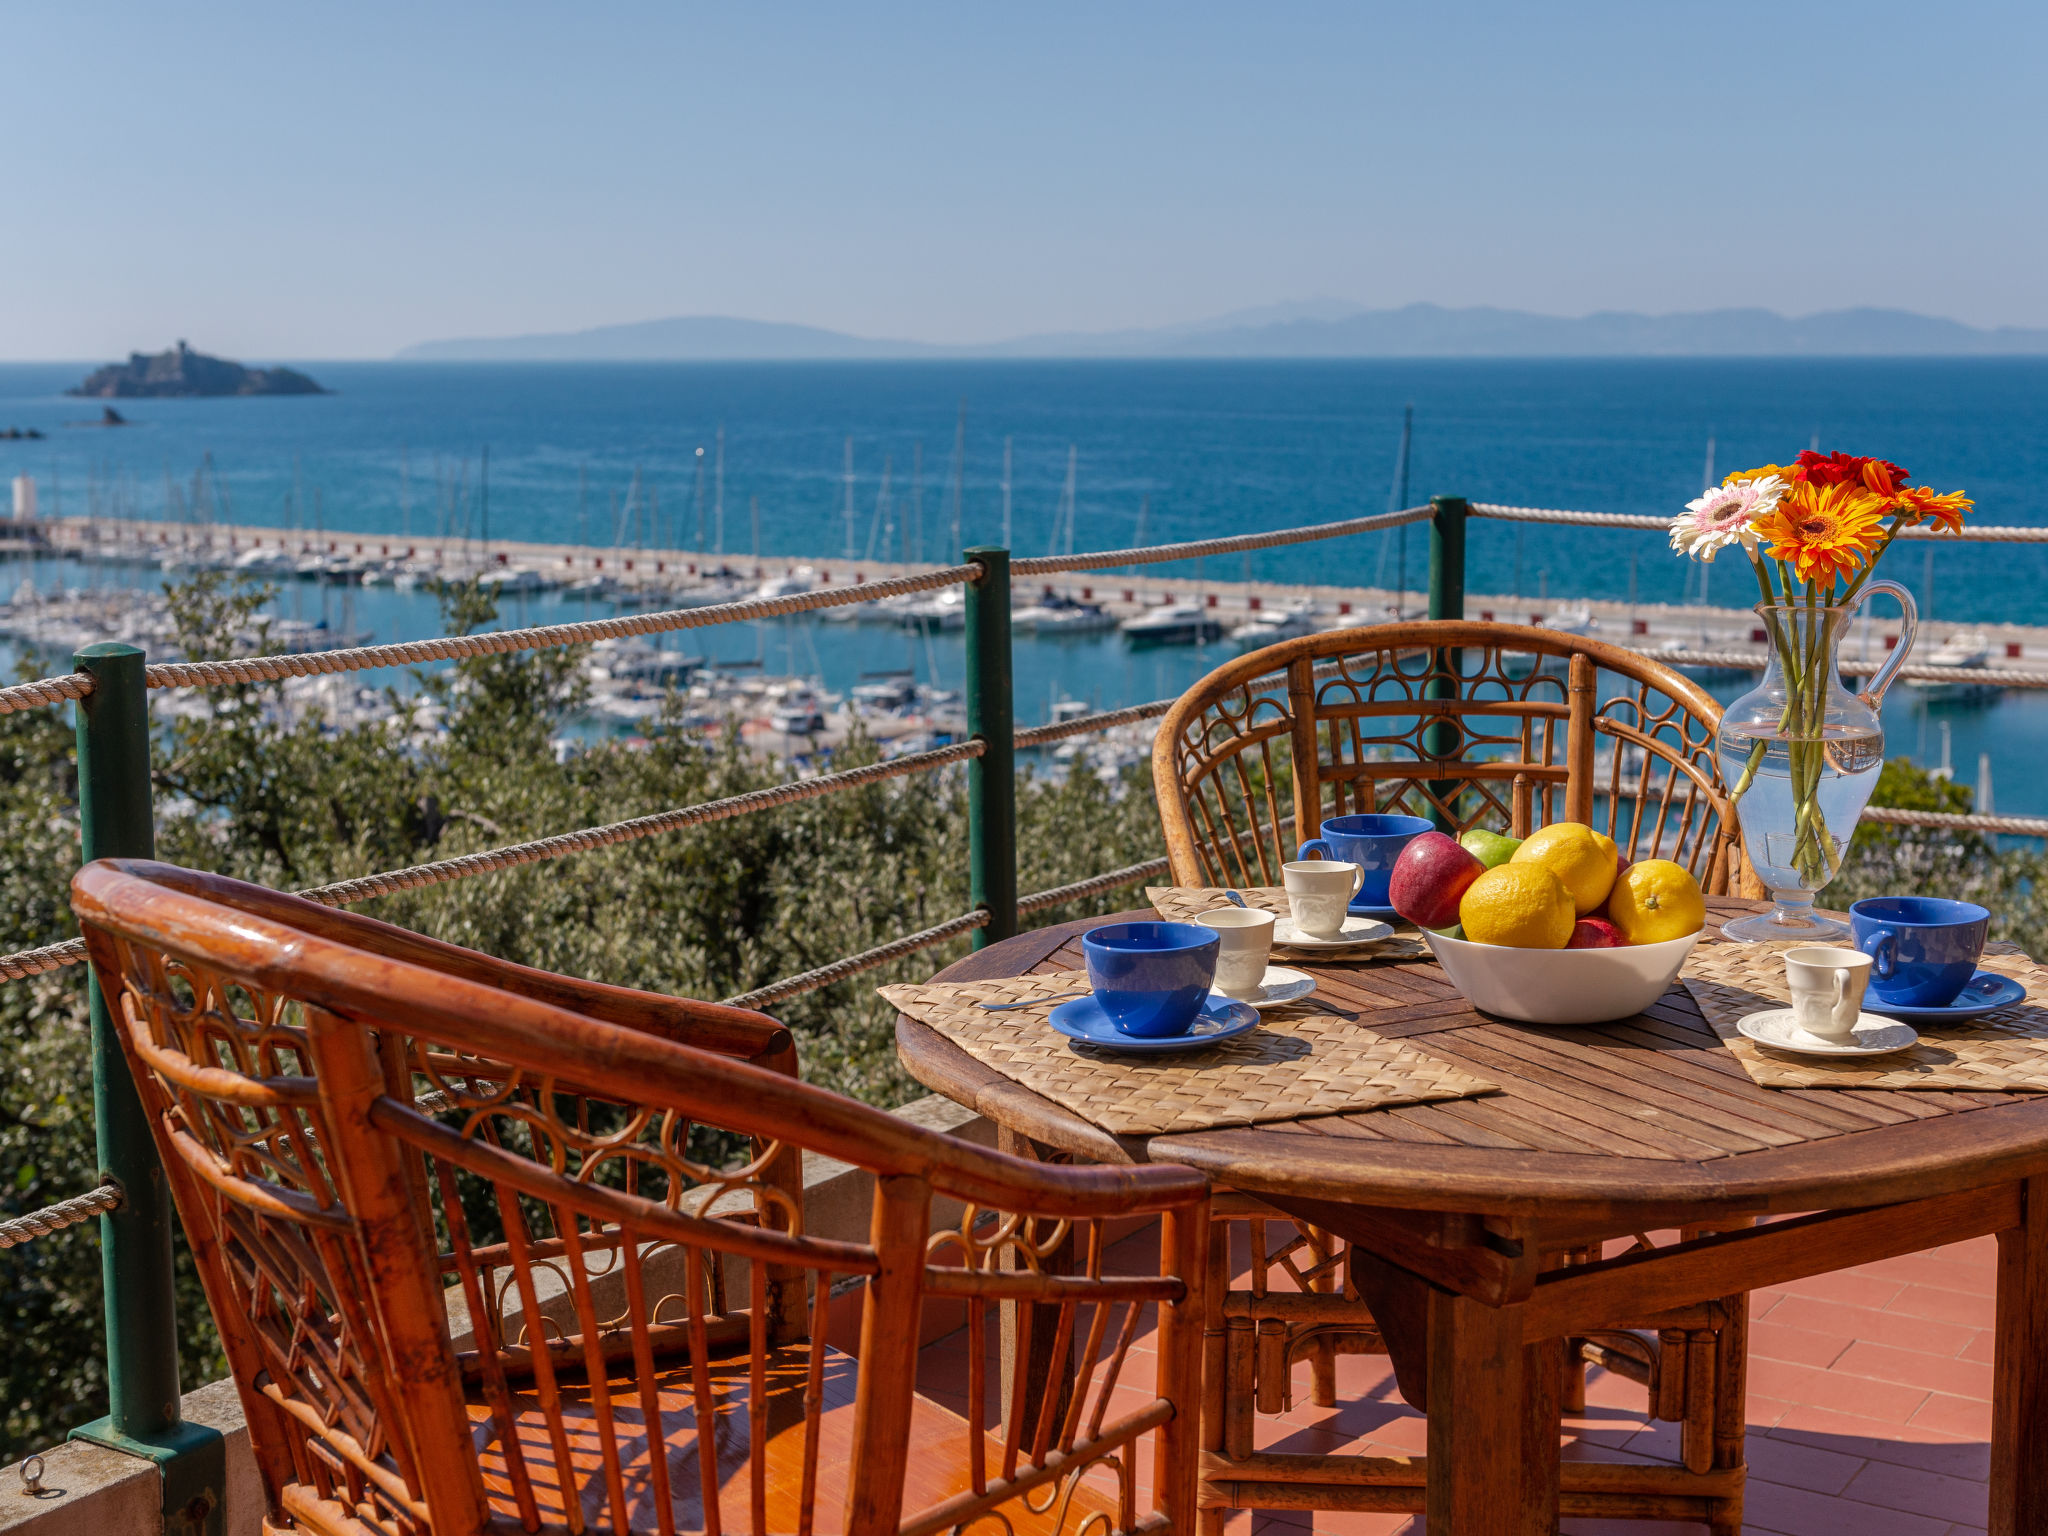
{"points": [[338, 181]]}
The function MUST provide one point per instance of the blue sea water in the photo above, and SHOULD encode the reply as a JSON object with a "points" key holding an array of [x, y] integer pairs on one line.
{"points": [[1205, 447]]}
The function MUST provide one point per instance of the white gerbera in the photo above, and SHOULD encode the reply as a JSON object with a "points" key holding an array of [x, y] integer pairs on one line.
{"points": [[1723, 516]]}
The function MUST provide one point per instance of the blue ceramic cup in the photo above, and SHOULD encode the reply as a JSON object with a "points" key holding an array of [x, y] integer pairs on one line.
{"points": [[1151, 978], [1923, 950], [1373, 843]]}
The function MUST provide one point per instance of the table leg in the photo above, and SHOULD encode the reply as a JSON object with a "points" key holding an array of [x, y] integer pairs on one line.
{"points": [[1543, 1367], [1478, 1433], [2019, 1412]]}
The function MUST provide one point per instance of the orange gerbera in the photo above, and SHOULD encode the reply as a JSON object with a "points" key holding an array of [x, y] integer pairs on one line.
{"points": [[1917, 503], [1824, 532], [1783, 472]]}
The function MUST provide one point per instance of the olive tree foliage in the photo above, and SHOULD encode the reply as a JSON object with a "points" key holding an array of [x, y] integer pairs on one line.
{"points": [[251, 781]]}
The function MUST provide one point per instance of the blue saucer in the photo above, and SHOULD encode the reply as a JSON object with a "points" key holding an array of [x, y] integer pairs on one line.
{"points": [[1985, 992], [1220, 1019], [1384, 914]]}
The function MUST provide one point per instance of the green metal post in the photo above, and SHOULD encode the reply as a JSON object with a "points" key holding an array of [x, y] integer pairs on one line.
{"points": [[992, 777], [1446, 601], [116, 821]]}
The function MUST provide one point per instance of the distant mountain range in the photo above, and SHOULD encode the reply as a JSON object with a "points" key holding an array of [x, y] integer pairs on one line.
{"points": [[1314, 328]]}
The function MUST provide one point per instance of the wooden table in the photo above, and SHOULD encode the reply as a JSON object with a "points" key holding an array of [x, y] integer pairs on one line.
{"points": [[1599, 1132]]}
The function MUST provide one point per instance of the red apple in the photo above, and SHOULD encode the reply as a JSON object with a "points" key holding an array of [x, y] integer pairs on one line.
{"points": [[1429, 878], [1595, 933]]}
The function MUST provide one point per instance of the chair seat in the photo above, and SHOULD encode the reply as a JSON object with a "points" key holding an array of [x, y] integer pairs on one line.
{"points": [[938, 1465]]}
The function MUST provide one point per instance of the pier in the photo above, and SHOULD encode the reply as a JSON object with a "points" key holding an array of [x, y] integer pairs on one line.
{"points": [[658, 577]]}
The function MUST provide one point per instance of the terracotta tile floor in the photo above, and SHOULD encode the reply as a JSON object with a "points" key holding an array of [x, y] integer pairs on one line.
{"points": [[1869, 1408]]}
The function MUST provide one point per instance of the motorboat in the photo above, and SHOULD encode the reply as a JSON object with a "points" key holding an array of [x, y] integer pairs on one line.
{"points": [[789, 584], [1275, 624], [1058, 614], [944, 610], [1173, 624], [1962, 653], [515, 578], [265, 562]]}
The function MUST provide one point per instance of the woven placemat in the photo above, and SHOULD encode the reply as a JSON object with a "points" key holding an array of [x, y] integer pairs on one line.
{"points": [[1299, 1061], [1182, 903], [2002, 1052]]}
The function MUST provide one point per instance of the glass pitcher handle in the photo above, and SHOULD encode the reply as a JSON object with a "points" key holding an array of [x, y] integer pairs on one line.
{"points": [[1872, 691]]}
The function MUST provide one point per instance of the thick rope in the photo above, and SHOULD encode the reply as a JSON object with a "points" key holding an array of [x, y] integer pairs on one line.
{"points": [[49, 690], [1958, 821], [343, 893], [866, 960], [1039, 735], [1984, 534], [40, 962], [347, 892], [1755, 661], [65, 1213], [1156, 554]]}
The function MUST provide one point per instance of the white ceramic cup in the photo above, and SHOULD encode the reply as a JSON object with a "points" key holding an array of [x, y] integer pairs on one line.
{"points": [[1318, 891], [1245, 945], [1827, 989]]}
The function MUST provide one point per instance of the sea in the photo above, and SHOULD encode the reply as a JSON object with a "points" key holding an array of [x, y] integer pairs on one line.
{"points": [[747, 458]]}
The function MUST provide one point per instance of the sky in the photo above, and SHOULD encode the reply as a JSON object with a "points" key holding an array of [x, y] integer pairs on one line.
{"points": [[306, 182]]}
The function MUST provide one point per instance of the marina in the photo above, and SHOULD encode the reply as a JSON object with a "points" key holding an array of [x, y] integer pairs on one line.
{"points": [[890, 671]]}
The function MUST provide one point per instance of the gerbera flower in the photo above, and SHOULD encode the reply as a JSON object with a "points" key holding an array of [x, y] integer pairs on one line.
{"points": [[1879, 475], [1824, 532], [1782, 472], [1917, 503], [1723, 517]]}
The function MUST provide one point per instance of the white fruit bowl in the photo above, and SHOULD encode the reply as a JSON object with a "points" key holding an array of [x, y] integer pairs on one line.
{"points": [[1561, 986]]}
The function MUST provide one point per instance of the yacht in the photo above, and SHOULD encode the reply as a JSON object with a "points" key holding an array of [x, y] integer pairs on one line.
{"points": [[943, 610], [1962, 653], [789, 584], [1275, 624], [1058, 614], [1173, 624]]}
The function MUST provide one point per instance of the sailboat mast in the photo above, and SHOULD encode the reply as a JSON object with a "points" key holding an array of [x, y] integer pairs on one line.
{"points": [[959, 474], [848, 477], [1006, 492], [718, 493]]}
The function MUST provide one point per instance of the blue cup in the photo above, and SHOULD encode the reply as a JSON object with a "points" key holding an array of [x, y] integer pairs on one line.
{"points": [[1923, 950], [1373, 843], [1151, 978]]}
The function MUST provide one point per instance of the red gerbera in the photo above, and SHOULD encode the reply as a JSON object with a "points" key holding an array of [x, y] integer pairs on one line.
{"points": [[1877, 475]]}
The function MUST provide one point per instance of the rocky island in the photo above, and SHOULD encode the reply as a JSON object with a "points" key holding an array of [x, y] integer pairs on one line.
{"points": [[183, 373]]}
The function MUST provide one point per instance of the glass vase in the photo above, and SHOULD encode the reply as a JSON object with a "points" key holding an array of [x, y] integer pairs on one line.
{"points": [[1800, 755]]}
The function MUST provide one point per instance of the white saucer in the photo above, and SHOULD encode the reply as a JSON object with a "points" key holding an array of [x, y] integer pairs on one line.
{"points": [[1356, 931], [1279, 985], [1874, 1036]]}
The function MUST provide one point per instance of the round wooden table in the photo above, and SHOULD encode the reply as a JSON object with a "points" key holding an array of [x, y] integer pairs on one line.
{"points": [[1598, 1132]]}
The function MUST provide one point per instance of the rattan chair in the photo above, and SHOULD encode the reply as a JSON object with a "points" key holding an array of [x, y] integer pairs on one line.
{"points": [[484, 1259], [1470, 724]]}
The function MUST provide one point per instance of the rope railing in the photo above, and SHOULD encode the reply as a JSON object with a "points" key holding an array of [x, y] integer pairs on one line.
{"points": [[1989, 533], [1958, 821], [1195, 549], [1039, 735], [1094, 885], [65, 1213], [497, 642], [343, 893], [1912, 672]]}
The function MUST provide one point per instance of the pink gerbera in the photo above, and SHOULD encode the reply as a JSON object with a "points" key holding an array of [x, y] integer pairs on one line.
{"points": [[1723, 516]]}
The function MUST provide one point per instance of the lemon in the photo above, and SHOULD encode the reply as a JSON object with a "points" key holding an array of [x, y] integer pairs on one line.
{"points": [[1583, 859], [1656, 901], [1521, 906]]}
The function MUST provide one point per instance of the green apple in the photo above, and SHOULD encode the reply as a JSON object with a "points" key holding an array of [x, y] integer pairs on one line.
{"points": [[1455, 931], [1492, 849]]}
